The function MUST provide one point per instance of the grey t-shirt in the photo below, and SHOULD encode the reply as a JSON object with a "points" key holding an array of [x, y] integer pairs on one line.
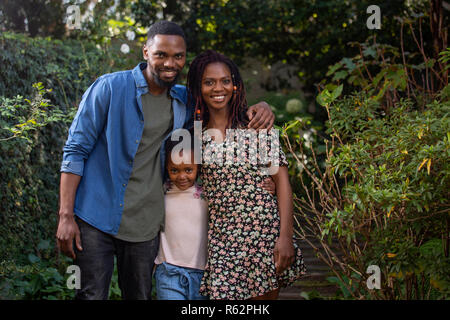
{"points": [[143, 213]]}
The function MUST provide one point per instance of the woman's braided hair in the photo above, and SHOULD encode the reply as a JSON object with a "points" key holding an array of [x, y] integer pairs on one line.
{"points": [[238, 103]]}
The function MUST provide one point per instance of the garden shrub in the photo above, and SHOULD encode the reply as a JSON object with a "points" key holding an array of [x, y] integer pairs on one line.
{"points": [[41, 84], [67, 66], [31, 136], [39, 278], [396, 198], [383, 195]]}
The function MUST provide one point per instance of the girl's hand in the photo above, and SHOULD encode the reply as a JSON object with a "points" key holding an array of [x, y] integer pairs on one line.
{"points": [[269, 185], [284, 254]]}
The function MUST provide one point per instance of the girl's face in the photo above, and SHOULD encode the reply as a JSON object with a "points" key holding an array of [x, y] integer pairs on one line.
{"points": [[217, 85], [182, 175]]}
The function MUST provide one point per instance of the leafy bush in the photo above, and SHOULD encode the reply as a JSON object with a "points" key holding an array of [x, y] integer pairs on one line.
{"points": [[31, 139], [34, 123], [383, 195], [38, 279], [68, 66]]}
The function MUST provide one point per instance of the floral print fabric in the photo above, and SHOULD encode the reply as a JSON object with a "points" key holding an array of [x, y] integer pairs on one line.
{"points": [[244, 223]]}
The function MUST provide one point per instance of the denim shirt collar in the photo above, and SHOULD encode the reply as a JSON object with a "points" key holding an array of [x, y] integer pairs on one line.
{"points": [[176, 92]]}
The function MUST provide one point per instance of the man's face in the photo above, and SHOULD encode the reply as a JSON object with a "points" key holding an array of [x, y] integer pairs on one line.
{"points": [[165, 56]]}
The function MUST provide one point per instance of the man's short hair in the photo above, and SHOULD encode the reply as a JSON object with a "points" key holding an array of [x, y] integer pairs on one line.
{"points": [[166, 28]]}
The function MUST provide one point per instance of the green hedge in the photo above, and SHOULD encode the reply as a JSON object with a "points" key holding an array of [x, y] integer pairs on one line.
{"points": [[41, 84], [67, 66], [30, 162]]}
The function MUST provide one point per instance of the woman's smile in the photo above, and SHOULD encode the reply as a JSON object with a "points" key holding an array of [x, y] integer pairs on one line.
{"points": [[218, 98]]}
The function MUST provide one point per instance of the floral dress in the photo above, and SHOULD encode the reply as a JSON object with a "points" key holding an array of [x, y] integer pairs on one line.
{"points": [[244, 223]]}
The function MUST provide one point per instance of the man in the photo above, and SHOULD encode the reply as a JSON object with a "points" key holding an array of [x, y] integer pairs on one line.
{"points": [[111, 195]]}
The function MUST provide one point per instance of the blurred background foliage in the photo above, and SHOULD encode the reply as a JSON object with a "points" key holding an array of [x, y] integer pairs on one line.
{"points": [[309, 35], [360, 110]]}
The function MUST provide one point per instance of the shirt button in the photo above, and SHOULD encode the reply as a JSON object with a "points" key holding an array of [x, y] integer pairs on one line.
{"points": [[123, 184], [137, 141], [121, 205]]}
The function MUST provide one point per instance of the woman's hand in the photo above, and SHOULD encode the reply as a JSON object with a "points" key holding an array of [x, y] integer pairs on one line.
{"points": [[269, 185], [284, 253]]}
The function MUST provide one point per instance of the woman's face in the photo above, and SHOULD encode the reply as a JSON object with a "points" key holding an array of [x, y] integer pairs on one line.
{"points": [[217, 85]]}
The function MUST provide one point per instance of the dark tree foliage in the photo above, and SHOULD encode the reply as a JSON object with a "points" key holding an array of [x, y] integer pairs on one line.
{"points": [[310, 35], [36, 17]]}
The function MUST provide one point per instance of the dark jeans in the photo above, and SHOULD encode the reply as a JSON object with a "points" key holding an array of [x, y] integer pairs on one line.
{"points": [[135, 262]]}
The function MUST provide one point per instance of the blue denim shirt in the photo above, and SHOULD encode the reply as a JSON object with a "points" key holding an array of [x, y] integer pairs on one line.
{"points": [[103, 140]]}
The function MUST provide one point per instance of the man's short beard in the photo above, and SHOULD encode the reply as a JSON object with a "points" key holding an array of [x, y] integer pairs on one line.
{"points": [[165, 84]]}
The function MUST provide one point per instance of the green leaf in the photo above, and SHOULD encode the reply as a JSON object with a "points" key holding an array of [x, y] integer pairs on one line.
{"points": [[431, 248], [340, 75], [332, 69], [337, 92], [43, 245], [323, 98], [369, 52], [379, 76], [33, 258], [291, 124], [349, 64]]}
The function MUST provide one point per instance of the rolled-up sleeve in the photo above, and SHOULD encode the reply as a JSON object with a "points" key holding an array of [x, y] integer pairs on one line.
{"points": [[86, 126]]}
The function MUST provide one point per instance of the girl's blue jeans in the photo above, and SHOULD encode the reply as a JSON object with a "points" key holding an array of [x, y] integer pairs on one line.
{"points": [[178, 283]]}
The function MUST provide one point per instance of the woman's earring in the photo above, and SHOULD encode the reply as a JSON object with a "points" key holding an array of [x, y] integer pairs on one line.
{"points": [[234, 86]]}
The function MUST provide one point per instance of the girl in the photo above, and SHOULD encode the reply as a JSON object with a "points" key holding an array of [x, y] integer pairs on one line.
{"points": [[251, 253], [183, 243], [182, 250]]}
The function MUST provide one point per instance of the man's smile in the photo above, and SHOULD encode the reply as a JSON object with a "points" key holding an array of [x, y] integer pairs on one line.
{"points": [[169, 73]]}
